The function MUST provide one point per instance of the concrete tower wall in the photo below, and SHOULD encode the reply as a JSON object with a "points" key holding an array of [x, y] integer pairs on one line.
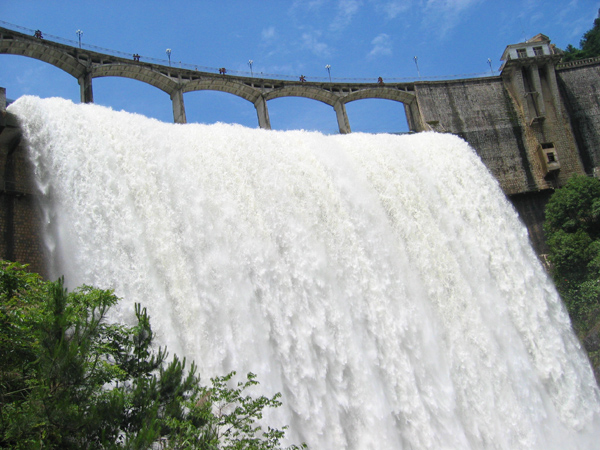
{"points": [[580, 89], [481, 112]]}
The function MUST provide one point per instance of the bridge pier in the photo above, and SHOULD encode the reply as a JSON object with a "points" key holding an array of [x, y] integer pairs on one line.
{"points": [[178, 106], [263, 113], [85, 88], [413, 117], [342, 117]]}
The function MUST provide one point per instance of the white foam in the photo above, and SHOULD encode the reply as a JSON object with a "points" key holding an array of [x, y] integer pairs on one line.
{"points": [[381, 283]]}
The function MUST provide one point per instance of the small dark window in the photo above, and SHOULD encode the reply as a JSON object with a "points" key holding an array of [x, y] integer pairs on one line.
{"points": [[538, 51], [547, 145], [551, 157], [521, 53]]}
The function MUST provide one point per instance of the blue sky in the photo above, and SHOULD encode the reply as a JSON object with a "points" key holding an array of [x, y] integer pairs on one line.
{"points": [[359, 39]]}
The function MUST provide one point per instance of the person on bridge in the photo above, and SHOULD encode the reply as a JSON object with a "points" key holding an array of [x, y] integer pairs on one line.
{"points": [[380, 80], [302, 78], [38, 34]]}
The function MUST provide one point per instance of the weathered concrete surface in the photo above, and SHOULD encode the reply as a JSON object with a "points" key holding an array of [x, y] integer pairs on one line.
{"points": [[533, 88], [579, 83], [481, 112], [530, 207]]}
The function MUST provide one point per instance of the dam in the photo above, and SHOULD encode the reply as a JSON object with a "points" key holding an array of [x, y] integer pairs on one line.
{"points": [[382, 283], [534, 125]]}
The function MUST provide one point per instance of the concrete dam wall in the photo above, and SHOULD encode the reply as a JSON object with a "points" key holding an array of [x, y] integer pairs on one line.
{"points": [[534, 125]]}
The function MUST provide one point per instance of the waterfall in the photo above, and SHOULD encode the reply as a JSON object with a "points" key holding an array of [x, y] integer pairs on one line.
{"points": [[383, 284]]}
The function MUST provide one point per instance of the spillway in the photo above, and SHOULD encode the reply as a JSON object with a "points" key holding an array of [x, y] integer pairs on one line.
{"points": [[383, 284]]}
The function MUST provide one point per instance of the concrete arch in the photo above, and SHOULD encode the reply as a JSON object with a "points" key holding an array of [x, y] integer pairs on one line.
{"points": [[380, 92], [222, 84], [312, 92], [136, 72], [43, 52], [85, 65]]}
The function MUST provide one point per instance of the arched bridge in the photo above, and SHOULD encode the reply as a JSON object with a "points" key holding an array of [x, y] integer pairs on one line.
{"points": [[85, 65], [534, 124]]}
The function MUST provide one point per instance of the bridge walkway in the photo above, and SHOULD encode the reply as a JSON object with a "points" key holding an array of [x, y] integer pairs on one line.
{"points": [[85, 65]]}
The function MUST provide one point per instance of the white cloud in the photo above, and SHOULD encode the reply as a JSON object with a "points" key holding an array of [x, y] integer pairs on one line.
{"points": [[310, 5], [286, 68], [346, 9], [382, 45], [301, 8], [393, 9], [272, 42], [574, 22], [444, 15], [450, 5], [310, 41], [268, 34], [439, 16]]}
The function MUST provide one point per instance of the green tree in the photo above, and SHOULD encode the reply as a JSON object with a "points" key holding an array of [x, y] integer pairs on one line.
{"points": [[70, 380], [589, 46], [572, 228]]}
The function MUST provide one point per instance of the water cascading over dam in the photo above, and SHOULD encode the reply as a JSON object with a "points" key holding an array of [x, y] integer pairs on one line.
{"points": [[383, 284]]}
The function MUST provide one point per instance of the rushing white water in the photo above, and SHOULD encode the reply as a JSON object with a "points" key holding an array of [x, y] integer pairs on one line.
{"points": [[381, 283]]}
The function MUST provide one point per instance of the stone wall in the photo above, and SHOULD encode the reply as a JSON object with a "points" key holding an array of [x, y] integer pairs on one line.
{"points": [[481, 112], [533, 88], [580, 89], [494, 121], [530, 207]]}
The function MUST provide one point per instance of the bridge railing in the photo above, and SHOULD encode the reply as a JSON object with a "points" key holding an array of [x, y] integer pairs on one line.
{"points": [[251, 74], [578, 63]]}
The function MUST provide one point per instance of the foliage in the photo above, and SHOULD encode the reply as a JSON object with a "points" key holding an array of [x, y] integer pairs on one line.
{"points": [[231, 418], [572, 230], [69, 380], [589, 46]]}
